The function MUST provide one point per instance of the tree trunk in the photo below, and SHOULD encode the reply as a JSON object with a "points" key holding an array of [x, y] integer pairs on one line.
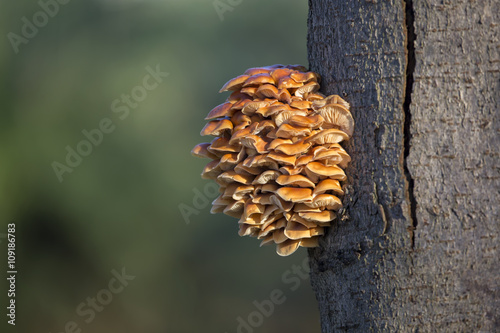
{"points": [[416, 248]]}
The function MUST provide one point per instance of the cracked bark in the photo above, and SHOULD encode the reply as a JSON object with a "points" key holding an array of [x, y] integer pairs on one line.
{"points": [[416, 248]]}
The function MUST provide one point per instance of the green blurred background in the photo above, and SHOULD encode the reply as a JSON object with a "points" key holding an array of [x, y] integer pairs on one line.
{"points": [[120, 207]]}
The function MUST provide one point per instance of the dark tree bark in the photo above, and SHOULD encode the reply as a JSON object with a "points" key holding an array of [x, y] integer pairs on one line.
{"points": [[416, 248]]}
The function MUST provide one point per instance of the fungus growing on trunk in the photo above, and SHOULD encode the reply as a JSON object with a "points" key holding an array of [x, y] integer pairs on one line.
{"points": [[276, 155]]}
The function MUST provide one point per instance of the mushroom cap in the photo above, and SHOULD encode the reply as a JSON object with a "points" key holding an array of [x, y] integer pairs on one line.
{"points": [[295, 194], [323, 216], [228, 161], [238, 135], [234, 84], [294, 180], [285, 115], [276, 142], [332, 135], [235, 208], [282, 158], [329, 157], [263, 199], [300, 104], [291, 170], [250, 210], [260, 161], [287, 82], [217, 127], [221, 146], [287, 248], [255, 142], [334, 172], [267, 240], [287, 131], [305, 77], [269, 188], [281, 223], [248, 230], [280, 73], [228, 177], [279, 236], [221, 110], [332, 99], [201, 150], [257, 70], [237, 96], [307, 88], [326, 185], [285, 206], [327, 201], [250, 91], [316, 96], [310, 242], [265, 177], [238, 118], [237, 191], [303, 160], [295, 230], [311, 121], [258, 79], [284, 96], [267, 91], [252, 107], [211, 170], [293, 148], [337, 116]]}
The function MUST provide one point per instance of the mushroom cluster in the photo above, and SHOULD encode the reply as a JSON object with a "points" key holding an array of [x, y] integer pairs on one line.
{"points": [[276, 155]]}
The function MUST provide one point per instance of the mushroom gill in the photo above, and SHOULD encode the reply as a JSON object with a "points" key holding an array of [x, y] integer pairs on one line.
{"points": [[277, 155]]}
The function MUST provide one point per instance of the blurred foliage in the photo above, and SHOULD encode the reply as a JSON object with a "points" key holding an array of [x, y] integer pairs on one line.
{"points": [[120, 206]]}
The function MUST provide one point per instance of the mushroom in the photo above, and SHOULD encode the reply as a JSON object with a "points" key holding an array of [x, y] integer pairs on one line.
{"points": [[328, 136], [294, 180], [327, 201], [295, 194], [326, 185], [332, 99], [282, 158], [265, 177], [287, 131], [217, 127], [258, 79], [334, 172], [305, 77], [311, 121], [211, 170], [307, 88], [288, 247], [267, 91], [201, 150], [234, 84], [276, 155], [221, 110], [296, 231], [293, 148], [324, 216], [337, 116]]}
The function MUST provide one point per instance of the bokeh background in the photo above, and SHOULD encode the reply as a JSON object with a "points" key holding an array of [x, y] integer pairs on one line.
{"points": [[119, 208]]}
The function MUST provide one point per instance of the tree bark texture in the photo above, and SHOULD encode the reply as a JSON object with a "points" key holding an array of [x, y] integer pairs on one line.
{"points": [[416, 248]]}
